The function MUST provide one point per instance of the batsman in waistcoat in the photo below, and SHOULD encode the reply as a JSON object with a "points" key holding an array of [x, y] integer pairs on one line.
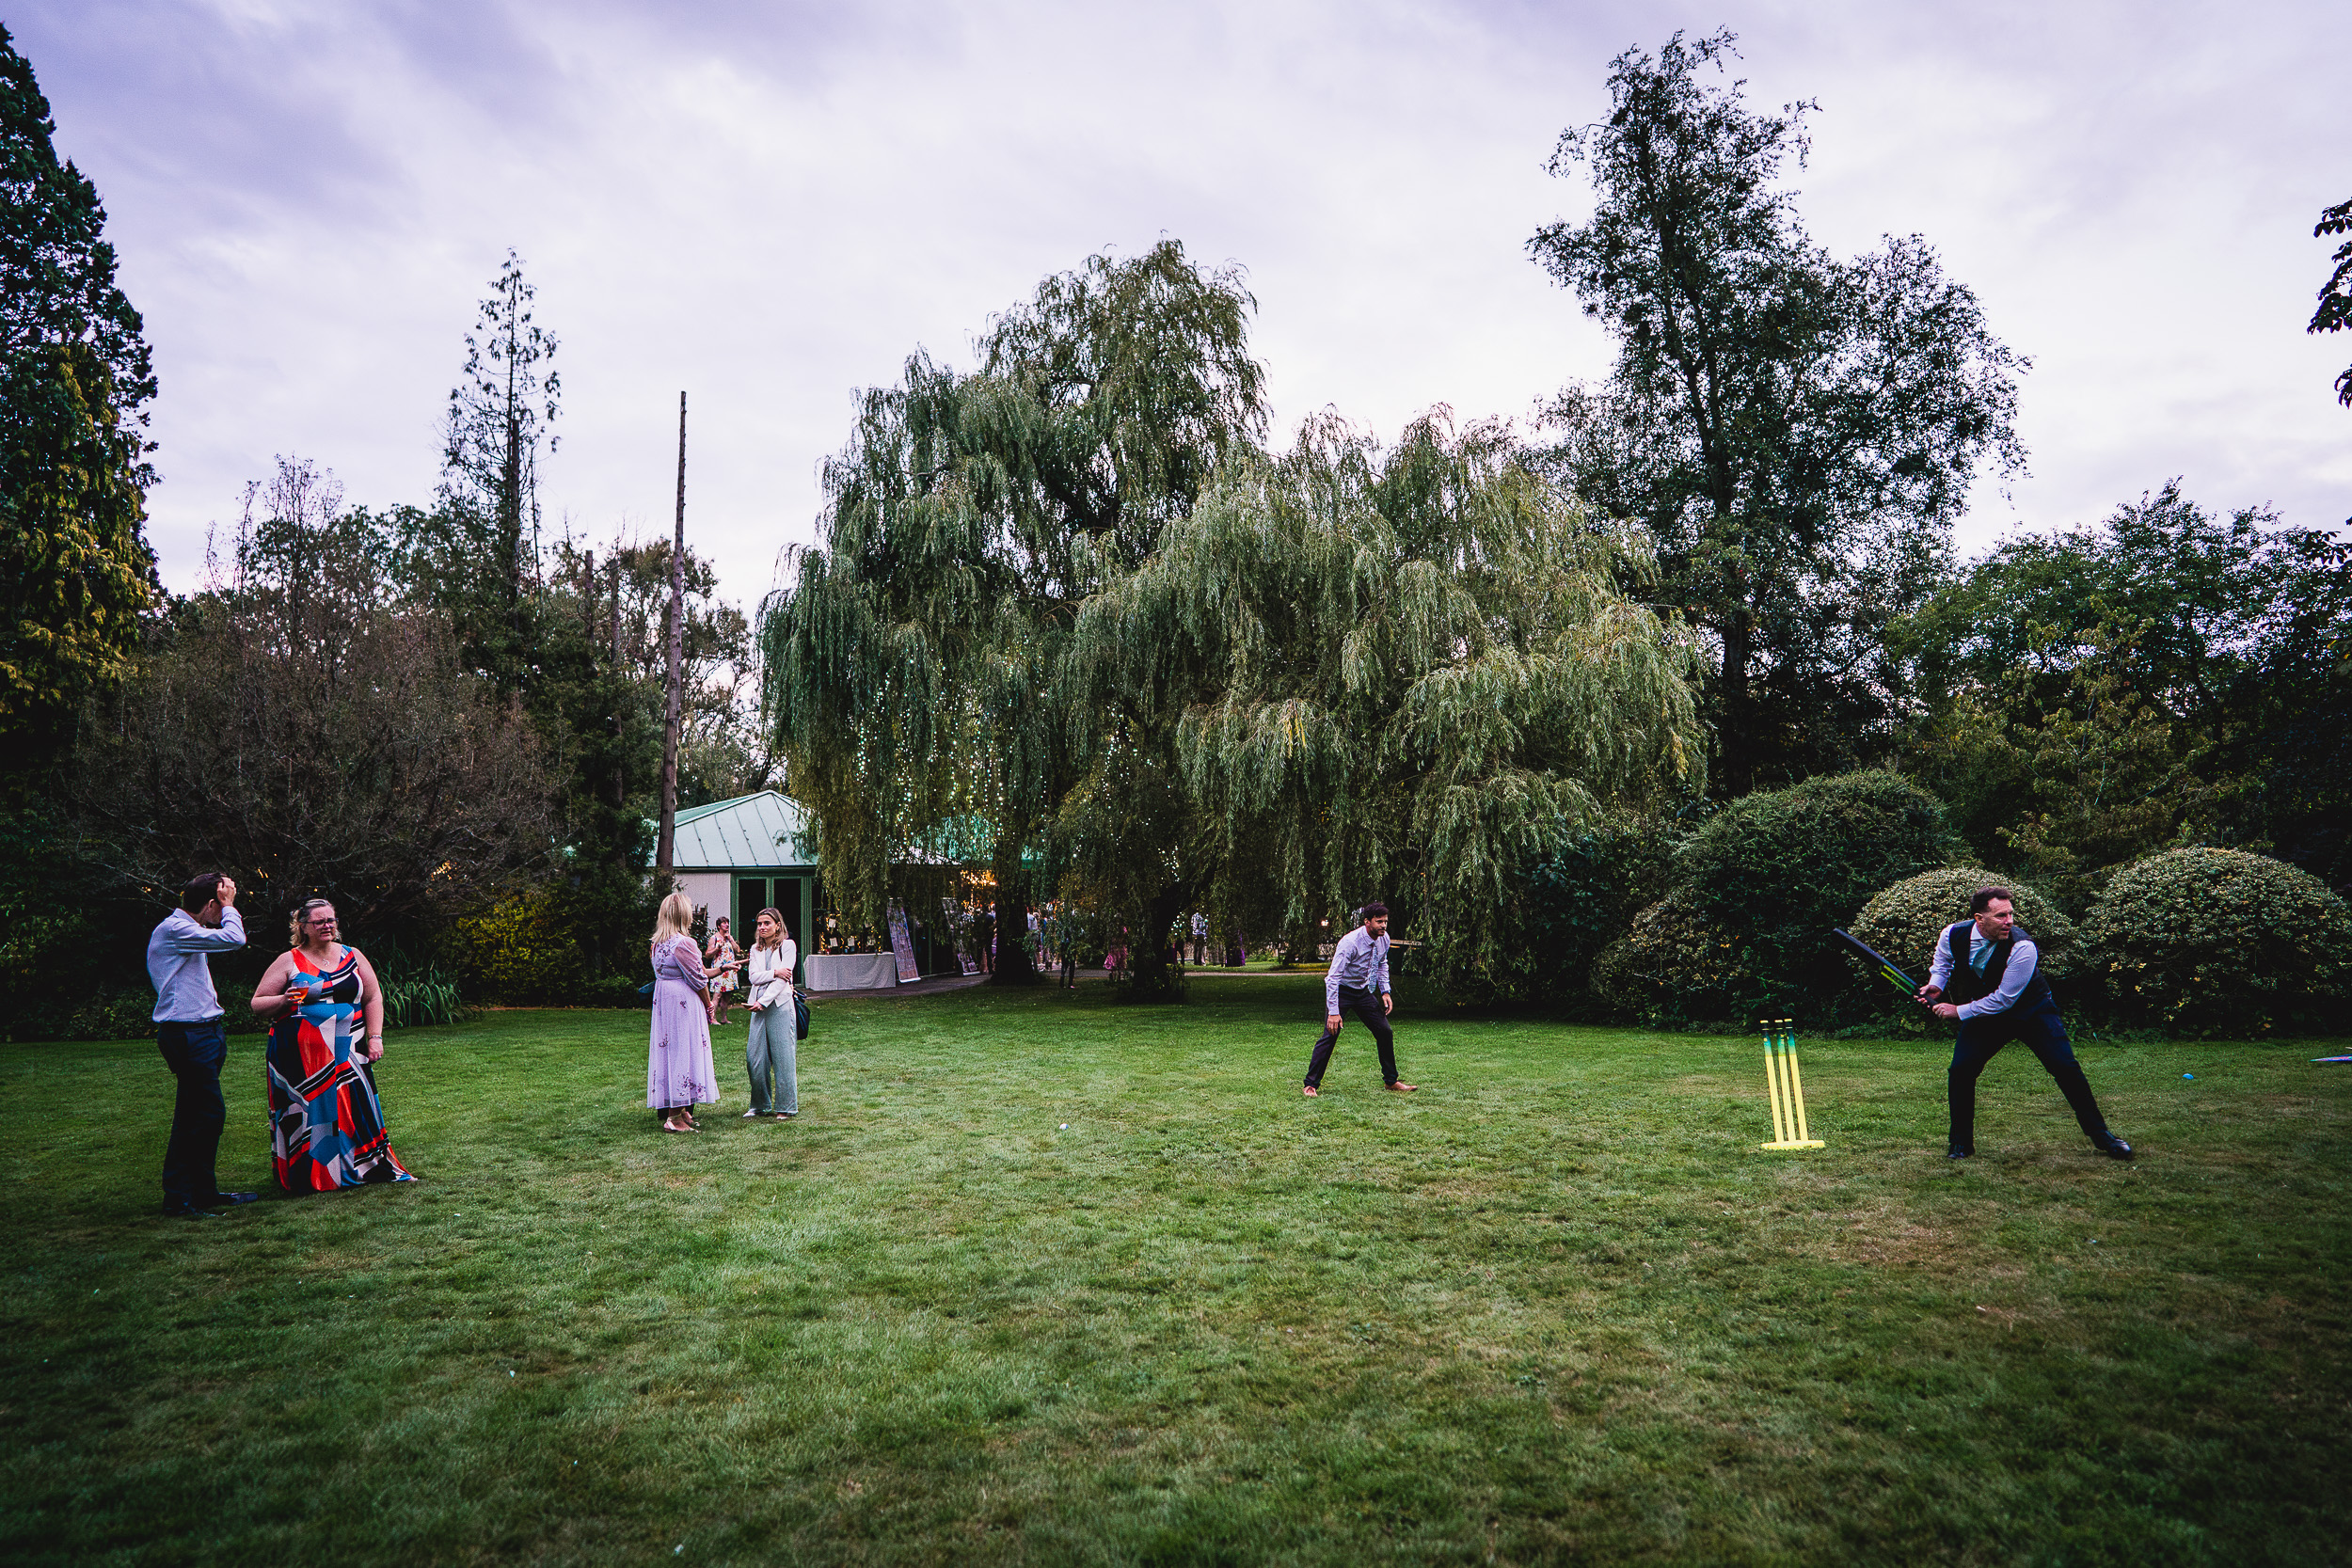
{"points": [[1987, 976]]}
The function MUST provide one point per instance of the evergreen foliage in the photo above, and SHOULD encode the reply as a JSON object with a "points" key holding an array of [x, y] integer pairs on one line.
{"points": [[300, 727], [75, 377], [2221, 942], [1796, 431], [1674, 966], [1402, 674]]}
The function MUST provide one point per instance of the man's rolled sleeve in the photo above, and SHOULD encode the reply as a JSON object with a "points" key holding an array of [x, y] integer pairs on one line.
{"points": [[1940, 967]]}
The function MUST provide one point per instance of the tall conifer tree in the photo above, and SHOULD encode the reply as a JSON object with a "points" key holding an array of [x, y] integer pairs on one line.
{"points": [[75, 377]]}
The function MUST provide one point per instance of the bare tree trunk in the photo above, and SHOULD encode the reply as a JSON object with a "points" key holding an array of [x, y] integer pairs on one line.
{"points": [[1735, 740], [675, 710]]}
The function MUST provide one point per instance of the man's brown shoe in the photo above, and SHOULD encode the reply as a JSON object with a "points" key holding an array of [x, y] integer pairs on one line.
{"points": [[1402, 1087]]}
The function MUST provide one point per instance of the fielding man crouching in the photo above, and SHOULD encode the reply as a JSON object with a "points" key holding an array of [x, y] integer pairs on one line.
{"points": [[1358, 973], [1987, 975]]}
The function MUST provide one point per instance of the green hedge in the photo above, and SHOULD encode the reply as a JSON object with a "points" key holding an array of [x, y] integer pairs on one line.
{"points": [[1674, 967], [1744, 931], [2220, 942]]}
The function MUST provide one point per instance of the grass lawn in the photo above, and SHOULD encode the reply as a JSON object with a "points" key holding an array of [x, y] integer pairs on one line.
{"points": [[1040, 1278]]}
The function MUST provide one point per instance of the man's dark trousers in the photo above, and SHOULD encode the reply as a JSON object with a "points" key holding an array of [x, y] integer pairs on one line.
{"points": [[1366, 1007], [2038, 1026], [195, 1053]]}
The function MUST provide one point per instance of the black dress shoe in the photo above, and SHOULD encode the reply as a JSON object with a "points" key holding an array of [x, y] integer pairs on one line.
{"points": [[2114, 1148], [232, 1199], [187, 1211], [1961, 1152]]}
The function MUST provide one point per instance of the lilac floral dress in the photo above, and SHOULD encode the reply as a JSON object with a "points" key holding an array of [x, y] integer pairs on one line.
{"points": [[677, 1065]]}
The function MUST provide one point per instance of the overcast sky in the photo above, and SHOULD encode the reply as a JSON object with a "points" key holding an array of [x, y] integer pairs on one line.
{"points": [[768, 205]]}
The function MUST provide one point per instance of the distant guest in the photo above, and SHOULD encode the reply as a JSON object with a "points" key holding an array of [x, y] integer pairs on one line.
{"points": [[189, 1032], [720, 959], [679, 1075]]}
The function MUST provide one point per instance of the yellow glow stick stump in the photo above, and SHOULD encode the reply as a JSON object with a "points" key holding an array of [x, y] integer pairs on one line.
{"points": [[1787, 1085]]}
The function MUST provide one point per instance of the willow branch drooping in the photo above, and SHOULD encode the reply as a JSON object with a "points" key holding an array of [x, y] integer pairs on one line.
{"points": [[1418, 663], [918, 671]]}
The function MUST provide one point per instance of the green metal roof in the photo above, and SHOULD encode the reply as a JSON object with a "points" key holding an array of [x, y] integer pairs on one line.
{"points": [[749, 832]]}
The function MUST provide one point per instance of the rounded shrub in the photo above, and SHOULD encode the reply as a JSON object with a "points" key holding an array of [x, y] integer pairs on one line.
{"points": [[1818, 850], [1775, 870], [1903, 921], [2220, 942], [1674, 967]]}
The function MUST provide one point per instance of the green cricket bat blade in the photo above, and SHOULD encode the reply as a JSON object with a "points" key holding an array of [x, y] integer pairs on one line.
{"points": [[1892, 974]]}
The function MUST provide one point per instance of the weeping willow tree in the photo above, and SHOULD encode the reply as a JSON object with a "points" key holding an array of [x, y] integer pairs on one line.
{"points": [[920, 675], [1398, 674]]}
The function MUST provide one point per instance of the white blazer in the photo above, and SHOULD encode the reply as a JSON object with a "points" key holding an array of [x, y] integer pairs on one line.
{"points": [[772, 972]]}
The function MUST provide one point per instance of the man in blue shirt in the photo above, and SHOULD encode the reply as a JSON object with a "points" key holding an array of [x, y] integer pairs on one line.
{"points": [[1987, 977], [1360, 969], [189, 1032]]}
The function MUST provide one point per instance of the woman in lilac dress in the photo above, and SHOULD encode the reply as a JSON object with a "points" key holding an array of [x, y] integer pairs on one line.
{"points": [[679, 1075]]}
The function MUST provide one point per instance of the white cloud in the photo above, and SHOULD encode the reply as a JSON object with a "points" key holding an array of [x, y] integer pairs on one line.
{"points": [[771, 205]]}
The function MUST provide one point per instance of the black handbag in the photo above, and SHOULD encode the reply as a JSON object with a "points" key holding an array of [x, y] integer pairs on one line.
{"points": [[799, 1016]]}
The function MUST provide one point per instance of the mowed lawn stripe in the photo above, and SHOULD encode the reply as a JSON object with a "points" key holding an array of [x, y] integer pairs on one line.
{"points": [[1554, 1306]]}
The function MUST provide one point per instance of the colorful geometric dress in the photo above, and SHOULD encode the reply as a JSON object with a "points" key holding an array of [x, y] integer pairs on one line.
{"points": [[326, 1126]]}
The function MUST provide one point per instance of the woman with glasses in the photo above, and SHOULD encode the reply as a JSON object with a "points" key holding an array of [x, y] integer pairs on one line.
{"points": [[327, 1123]]}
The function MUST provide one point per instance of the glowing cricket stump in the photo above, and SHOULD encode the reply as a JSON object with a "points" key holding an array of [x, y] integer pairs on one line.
{"points": [[1788, 1088]]}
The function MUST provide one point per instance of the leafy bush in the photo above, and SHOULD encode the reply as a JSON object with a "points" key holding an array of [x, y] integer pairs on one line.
{"points": [[416, 999], [2220, 942], [615, 990], [1903, 921], [1562, 911], [1771, 873], [1674, 967], [521, 951]]}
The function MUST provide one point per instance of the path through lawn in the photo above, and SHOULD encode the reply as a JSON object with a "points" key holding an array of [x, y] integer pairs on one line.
{"points": [[1037, 1279]]}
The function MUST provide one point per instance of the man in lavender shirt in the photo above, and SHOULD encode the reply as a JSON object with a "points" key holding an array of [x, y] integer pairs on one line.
{"points": [[1987, 977], [189, 1032], [1359, 972]]}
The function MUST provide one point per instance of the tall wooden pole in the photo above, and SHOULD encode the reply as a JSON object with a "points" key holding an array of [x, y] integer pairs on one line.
{"points": [[675, 713]]}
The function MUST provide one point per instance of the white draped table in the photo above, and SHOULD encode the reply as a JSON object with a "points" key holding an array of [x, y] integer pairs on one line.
{"points": [[852, 970]]}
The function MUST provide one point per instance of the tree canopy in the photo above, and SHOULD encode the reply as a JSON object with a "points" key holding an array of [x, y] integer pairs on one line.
{"points": [[1797, 432], [919, 665], [1399, 673]]}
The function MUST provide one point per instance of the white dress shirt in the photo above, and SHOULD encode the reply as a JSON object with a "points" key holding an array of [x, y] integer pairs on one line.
{"points": [[178, 961], [1361, 960]]}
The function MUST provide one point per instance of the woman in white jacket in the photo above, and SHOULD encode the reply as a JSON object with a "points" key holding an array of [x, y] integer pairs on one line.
{"points": [[770, 1047]]}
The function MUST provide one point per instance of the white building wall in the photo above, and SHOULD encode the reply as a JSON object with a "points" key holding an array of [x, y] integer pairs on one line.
{"points": [[712, 891]]}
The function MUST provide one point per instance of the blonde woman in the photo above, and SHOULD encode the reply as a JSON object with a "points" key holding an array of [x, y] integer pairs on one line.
{"points": [[679, 1075], [326, 1125], [770, 1047]]}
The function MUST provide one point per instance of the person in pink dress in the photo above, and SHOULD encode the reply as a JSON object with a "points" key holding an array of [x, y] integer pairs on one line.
{"points": [[678, 1070]]}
